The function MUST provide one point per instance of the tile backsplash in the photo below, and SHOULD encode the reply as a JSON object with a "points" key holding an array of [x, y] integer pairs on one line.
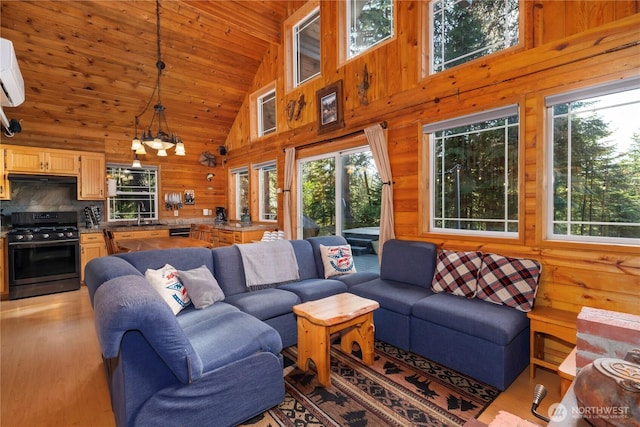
{"points": [[45, 196]]}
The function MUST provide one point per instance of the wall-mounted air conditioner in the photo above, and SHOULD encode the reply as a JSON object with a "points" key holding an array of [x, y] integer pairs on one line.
{"points": [[12, 93]]}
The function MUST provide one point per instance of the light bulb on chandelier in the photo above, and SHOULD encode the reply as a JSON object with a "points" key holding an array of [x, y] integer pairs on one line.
{"points": [[162, 140]]}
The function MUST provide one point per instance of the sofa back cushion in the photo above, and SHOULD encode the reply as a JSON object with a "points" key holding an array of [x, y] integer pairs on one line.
{"points": [[409, 262], [305, 259], [179, 258], [509, 281], [228, 270]]}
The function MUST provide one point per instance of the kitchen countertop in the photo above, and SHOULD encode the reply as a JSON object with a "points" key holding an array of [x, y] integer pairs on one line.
{"points": [[231, 226]]}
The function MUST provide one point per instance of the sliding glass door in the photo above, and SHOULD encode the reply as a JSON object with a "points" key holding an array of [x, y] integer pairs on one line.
{"points": [[339, 192]]}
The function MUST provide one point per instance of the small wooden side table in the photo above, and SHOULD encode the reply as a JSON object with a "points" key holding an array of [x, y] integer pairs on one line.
{"points": [[317, 320], [553, 322]]}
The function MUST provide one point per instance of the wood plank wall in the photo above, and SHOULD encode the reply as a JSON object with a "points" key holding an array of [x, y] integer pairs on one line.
{"points": [[564, 45]]}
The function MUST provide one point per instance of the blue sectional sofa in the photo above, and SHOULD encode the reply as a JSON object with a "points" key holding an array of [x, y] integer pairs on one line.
{"points": [[215, 366], [222, 364]]}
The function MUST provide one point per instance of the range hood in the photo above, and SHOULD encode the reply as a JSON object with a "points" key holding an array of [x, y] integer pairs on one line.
{"points": [[16, 177]]}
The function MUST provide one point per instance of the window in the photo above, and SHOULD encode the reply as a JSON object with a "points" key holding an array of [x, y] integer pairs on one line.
{"points": [[463, 30], [241, 190], [268, 191], [474, 173], [136, 193], [262, 106], [340, 193], [306, 48], [267, 113], [369, 22], [595, 164]]}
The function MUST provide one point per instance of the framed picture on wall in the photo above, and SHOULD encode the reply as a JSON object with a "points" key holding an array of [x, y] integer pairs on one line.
{"points": [[329, 101]]}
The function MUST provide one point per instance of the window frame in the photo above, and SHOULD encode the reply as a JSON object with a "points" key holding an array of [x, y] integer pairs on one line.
{"points": [[344, 42], [152, 195], [428, 131], [236, 174], [256, 112], [428, 38], [550, 102], [259, 170], [295, 32]]}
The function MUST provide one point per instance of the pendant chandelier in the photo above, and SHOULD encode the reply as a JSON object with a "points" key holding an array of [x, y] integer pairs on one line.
{"points": [[163, 139]]}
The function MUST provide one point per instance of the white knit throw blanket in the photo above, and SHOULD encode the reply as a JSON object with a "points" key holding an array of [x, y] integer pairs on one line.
{"points": [[267, 263]]}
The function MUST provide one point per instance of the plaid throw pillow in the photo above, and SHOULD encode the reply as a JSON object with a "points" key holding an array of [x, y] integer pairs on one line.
{"points": [[457, 272], [509, 281]]}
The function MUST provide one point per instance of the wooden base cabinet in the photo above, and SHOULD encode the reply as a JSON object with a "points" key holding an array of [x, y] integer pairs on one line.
{"points": [[92, 245]]}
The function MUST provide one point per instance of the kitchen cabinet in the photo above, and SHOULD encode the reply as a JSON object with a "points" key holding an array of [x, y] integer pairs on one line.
{"points": [[91, 183], [37, 160], [228, 237], [4, 291], [92, 245], [5, 191], [140, 234]]}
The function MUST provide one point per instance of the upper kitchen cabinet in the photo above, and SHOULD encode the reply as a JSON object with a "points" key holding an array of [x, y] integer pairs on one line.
{"points": [[5, 192], [91, 184], [38, 160]]}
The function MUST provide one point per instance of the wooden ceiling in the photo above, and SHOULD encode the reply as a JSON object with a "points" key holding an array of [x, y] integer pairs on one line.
{"points": [[90, 66]]}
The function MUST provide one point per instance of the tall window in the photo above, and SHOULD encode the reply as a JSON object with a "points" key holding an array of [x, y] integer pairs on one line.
{"points": [[474, 173], [136, 193], [463, 30], [369, 22], [267, 113], [595, 164], [241, 189], [306, 48], [268, 190], [339, 192]]}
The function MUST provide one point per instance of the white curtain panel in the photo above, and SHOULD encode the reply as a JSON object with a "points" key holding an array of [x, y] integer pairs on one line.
{"points": [[377, 137], [289, 170]]}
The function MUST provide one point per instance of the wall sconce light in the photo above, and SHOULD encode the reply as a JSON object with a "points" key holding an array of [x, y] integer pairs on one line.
{"points": [[210, 176]]}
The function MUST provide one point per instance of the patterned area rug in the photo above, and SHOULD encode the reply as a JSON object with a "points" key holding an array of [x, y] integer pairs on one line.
{"points": [[399, 389]]}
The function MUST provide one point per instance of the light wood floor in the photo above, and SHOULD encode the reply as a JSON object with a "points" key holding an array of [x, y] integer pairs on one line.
{"points": [[52, 375]]}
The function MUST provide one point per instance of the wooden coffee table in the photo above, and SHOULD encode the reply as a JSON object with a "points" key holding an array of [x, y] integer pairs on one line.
{"points": [[318, 320]]}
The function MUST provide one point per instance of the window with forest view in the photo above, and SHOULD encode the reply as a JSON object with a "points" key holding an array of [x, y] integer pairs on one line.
{"points": [[136, 193], [241, 189], [474, 164], [340, 191], [268, 191], [596, 164], [463, 30], [369, 22]]}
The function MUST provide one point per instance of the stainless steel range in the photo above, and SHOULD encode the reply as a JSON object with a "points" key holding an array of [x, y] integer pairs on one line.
{"points": [[44, 253]]}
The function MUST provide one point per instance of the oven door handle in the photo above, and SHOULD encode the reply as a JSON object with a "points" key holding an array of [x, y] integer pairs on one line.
{"points": [[38, 243]]}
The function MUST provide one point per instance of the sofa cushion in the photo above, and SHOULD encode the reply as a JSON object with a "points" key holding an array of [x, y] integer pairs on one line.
{"points": [[313, 289], [265, 303], [509, 281], [337, 260], [229, 337], [305, 259], [228, 270], [496, 323], [202, 287], [180, 258], [165, 280], [394, 296], [408, 262], [356, 278], [457, 273]]}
